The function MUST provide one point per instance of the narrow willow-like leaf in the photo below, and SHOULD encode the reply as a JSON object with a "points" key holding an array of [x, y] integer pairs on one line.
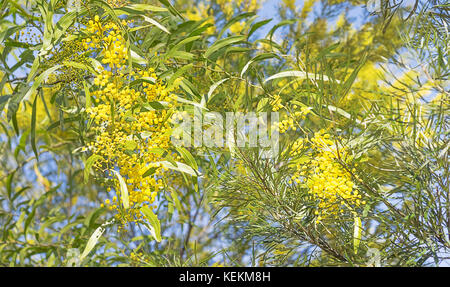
{"points": [[14, 102], [298, 74], [133, 8], [181, 167], [176, 201], [141, 80], [92, 241], [149, 171], [136, 58], [234, 20], [3, 100], [178, 74], [171, 8], [155, 225], [256, 26], [180, 44], [356, 234], [9, 182], [214, 87], [88, 165], [223, 43], [156, 23], [87, 95], [22, 143], [39, 79], [123, 190], [187, 156], [33, 128], [256, 59]]}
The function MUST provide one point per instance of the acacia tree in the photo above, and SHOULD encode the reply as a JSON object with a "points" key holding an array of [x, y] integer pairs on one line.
{"points": [[90, 96]]}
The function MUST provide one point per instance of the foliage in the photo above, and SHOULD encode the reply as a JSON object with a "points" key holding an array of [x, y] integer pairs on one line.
{"points": [[90, 96]]}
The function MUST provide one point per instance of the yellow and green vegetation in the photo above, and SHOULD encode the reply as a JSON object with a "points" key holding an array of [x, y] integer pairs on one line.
{"points": [[93, 91]]}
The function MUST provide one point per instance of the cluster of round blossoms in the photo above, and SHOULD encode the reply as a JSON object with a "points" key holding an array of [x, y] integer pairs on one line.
{"points": [[129, 116], [292, 119], [326, 179], [107, 36], [276, 103]]}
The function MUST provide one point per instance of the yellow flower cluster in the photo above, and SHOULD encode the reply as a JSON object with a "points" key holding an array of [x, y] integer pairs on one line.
{"points": [[276, 103], [327, 181], [227, 6], [341, 21], [109, 36], [237, 27], [136, 256], [200, 12], [307, 8], [293, 118], [130, 122], [289, 4]]}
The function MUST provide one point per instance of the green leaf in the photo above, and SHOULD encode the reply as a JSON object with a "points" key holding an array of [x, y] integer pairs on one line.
{"points": [[133, 8], [80, 66], [3, 100], [213, 88], [171, 8], [141, 80], [92, 241], [47, 223], [129, 145], [135, 58], [279, 25], [123, 190], [22, 143], [262, 104], [33, 128], [88, 165], [223, 43], [234, 20], [178, 74], [39, 79], [47, 16], [298, 74], [272, 44], [89, 221], [342, 113], [356, 234], [66, 120], [15, 100], [65, 22], [9, 183], [180, 44], [28, 220], [256, 26], [188, 158], [176, 201], [156, 23], [155, 225], [181, 167], [87, 95], [349, 82], [154, 106], [149, 172], [189, 88], [182, 55], [33, 69], [256, 59]]}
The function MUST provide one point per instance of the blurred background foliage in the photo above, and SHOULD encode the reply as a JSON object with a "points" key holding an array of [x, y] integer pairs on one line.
{"points": [[372, 75]]}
